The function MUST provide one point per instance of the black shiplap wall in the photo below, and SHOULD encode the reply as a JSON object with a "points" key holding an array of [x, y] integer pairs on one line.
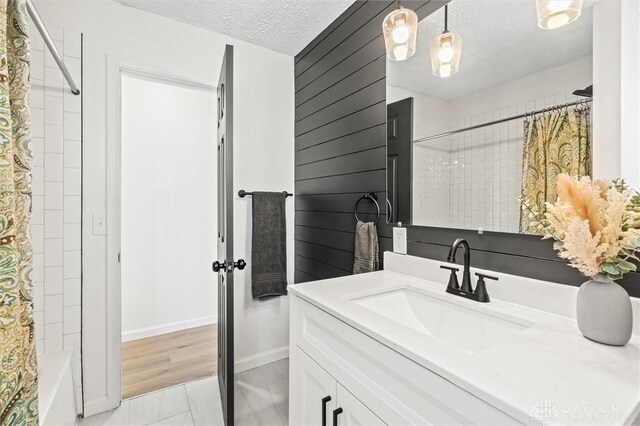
{"points": [[340, 137]]}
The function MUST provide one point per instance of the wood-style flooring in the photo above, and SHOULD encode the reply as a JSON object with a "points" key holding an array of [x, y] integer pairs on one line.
{"points": [[169, 359]]}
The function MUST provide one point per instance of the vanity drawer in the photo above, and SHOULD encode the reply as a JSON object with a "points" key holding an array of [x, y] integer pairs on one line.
{"points": [[396, 389]]}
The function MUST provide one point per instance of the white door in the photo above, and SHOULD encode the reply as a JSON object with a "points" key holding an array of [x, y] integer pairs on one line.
{"points": [[313, 391], [351, 411]]}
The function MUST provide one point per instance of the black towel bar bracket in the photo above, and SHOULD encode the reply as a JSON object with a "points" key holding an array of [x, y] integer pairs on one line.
{"points": [[242, 193], [370, 196]]}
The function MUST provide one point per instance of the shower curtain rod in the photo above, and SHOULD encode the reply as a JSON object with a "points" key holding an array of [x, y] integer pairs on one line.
{"points": [[35, 17], [503, 120]]}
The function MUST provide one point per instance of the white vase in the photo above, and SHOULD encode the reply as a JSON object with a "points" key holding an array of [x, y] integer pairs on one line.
{"points": [[604, 313]]}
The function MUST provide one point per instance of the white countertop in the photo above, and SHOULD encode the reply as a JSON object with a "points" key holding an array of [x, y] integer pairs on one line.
{"points": [[548, 371]]}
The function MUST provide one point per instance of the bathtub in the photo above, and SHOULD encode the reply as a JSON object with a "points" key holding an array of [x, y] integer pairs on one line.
{"points": [[56, 389]]}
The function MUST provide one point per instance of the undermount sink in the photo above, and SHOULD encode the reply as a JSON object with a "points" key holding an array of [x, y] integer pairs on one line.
{"points": [[466, 329]]}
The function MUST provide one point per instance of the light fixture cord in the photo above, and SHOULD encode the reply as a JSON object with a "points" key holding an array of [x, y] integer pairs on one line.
{"points": [[446, 18]]}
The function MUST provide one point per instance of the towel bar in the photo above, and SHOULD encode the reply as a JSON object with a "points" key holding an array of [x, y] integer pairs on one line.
{"points": [[242, 193]]}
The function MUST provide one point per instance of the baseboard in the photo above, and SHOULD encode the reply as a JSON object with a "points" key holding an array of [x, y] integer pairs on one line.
{"points": [[142, 333], [267, 357]]}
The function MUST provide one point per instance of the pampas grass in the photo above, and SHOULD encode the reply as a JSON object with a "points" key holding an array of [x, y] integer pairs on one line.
{"points": [[596, 226]]}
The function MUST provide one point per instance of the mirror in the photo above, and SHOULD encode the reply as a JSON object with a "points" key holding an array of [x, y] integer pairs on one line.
{"points": [[519, 104]]}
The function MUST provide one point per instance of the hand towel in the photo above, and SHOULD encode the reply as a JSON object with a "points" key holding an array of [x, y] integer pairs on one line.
{"points": [[366, 256], [269, 245]]}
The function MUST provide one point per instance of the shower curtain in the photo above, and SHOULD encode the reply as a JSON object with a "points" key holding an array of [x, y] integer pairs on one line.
{"points": [[18, 374], [554, 142]]}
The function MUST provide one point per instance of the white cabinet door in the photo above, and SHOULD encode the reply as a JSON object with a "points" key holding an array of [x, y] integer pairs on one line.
{"points": [[313, 392], [353, 411]]}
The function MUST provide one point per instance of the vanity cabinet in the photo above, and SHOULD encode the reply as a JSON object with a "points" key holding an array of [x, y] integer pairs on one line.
{"points": [[320, 398], [369, 381]]}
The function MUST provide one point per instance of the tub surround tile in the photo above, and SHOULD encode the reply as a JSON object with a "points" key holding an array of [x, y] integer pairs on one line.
{"points": [[37, 274], [53, 280], [72, 236], [53, 196], [72, 43], [72, 181], [72, 341], [53, 337], [53, 309], [53, 226], [72, 209], [53, 110], [53, 252], [53, 133], [72, 153], [72, 126], [53, 167], [53, 79], [72, 319], [37, 238], [37, 180], [72, 292], [37, 209], [72, 264], [37, 146]]}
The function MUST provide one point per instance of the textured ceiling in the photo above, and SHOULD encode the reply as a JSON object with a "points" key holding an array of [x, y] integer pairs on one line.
{"points": [[285, 26], [501, 42]]}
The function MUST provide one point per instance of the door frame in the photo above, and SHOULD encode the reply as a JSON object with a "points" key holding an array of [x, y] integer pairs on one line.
{"points": [[116, 69]]}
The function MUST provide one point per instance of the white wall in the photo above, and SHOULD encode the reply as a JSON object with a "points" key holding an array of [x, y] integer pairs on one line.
{"points": [[616, 75], [264, 147], [55, 225], [169, 199]]}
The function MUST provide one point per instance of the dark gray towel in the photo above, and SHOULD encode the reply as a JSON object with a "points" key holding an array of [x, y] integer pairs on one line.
{"points": [[366, 257], [269, 245]]}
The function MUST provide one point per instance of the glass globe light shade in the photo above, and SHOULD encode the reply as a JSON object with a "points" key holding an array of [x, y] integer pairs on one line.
{"points": [[400, 29]]}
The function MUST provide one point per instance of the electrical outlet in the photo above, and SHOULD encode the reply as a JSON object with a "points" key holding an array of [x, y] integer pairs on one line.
{"points": [[400, 240]]}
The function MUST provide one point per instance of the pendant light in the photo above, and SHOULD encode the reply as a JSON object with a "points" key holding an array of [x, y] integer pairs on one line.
{"points": [[446, 50], [554, 14], [400, 29]]}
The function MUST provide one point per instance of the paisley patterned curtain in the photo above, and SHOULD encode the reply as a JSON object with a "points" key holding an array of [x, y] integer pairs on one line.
{"points": [[18, 374], [554, 142]]}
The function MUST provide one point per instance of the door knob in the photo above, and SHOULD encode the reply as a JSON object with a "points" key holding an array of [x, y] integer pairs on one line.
{"points": [[228, 266], [217, 266]]}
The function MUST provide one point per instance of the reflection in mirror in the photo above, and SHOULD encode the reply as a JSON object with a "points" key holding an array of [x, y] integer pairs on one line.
{"points": [[519, 105]]}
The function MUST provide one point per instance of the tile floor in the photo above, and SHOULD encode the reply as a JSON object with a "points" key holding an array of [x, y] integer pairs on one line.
{"points": [[261, 395]]}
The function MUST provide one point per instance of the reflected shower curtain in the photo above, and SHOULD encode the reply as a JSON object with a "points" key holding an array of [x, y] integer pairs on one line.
{"points": [[554, 142], [18, 374]]}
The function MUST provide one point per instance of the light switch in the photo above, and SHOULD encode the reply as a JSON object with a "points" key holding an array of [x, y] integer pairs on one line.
{"points": [[99, 224], [400, 240]]}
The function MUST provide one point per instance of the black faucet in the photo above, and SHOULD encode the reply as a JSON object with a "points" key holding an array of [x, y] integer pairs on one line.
{"points": [[466, 274], [480, 293]]}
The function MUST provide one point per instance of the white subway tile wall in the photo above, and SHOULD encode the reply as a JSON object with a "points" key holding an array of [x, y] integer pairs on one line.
{"points": [[471, 180], [57, 190]]}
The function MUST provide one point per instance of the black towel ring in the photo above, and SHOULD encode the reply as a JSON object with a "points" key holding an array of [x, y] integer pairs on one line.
{"points": [[371, 196]]}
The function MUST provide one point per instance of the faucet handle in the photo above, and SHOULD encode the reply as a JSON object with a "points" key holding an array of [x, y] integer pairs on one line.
{"points": [[453, 278], [483, 276], [481, 289], [450, 268]]}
